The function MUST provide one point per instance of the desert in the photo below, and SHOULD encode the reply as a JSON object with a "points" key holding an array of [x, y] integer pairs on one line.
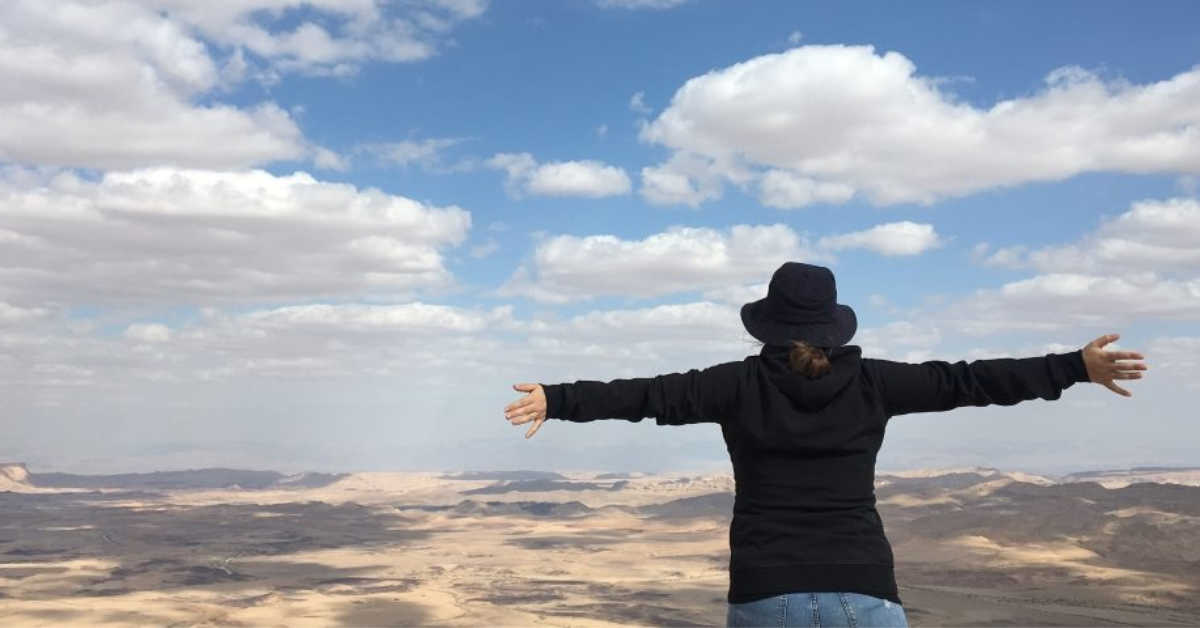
{"points": [[223, 547]]}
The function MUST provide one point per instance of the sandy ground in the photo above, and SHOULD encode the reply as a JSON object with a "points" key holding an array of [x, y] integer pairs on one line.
{"points": [[406, 549]]}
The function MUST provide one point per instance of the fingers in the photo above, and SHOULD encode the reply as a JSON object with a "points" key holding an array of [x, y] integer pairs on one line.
{"points": [[1127, 376], [1103, 340], [526, 409], [518, 405], [525, 418], [524, 406], [1124, 355], [523, 401], [1129, 366], [1117, 389]]}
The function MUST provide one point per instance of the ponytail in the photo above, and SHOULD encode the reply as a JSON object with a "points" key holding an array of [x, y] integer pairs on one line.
{"points": [[808, 360]]}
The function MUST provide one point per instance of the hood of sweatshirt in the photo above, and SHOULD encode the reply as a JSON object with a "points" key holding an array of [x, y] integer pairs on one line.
{"points": [[812, 394]]}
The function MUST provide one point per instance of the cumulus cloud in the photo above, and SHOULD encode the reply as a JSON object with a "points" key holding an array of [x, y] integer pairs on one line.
{"points": [[893, 238], [686, 179], [1056, 301], [836, 121], [587, 178], [129, 84], [1142, 264], [680, 259], [1153, 235], [170, 236], [786, 190]]}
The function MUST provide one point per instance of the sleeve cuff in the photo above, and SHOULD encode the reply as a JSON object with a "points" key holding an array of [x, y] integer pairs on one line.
{"points": [[1073, 364], [554, 394]]}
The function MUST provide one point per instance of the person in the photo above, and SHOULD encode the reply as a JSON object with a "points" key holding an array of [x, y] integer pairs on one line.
{"points": [[803, 421]]}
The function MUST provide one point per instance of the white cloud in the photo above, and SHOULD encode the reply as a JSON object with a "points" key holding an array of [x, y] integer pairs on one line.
{"points": [[310, 342], [371, 366], [661, 186], [171, 236], [586, 178], [680, 259], [904, 341], [148, 332], [846, 116], [637, 103], [427, 152], [893, 238], [114, 85], [328, 160], [1140, 265], [786, 190], [1056, 301], [737, 294], [1004, 257], [334, 38], [726, 266], [1178, 355], [11, 314], [412, 344], [1153, 235], [639, 4], [413, 317], [638, 342], [122, 85], [685, 179]]}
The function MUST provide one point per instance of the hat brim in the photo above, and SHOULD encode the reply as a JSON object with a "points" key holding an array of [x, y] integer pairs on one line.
{"points": [[834, 334]]}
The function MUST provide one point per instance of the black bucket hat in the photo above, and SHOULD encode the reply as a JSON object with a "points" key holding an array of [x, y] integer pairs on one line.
{"points": [[801, 304]]}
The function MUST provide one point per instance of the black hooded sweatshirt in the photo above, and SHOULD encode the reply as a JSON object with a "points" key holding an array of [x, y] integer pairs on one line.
{"points": [[803, 450]]}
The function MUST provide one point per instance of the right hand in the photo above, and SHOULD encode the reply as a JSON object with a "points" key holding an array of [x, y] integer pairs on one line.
{"points": [[531, 407], [1103, 366]]}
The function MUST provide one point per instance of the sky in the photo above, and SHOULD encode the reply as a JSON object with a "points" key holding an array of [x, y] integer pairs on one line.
{"points": [[332, 235]]}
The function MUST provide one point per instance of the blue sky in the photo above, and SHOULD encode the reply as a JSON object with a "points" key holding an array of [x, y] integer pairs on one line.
{"points": [[326, 235]]}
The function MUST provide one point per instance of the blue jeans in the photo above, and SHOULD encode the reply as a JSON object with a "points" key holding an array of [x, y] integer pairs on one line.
{"points": [[817, 609]]}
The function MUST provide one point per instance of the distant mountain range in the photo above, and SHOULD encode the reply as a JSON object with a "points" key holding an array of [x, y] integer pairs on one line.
{"points": [[15, 476]]}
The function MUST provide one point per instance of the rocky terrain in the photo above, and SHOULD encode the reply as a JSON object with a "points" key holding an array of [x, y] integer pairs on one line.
{"points": [[227, 547]]}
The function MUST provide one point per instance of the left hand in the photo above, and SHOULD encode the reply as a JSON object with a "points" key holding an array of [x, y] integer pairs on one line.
{"points": [[1105, 366], [531, 407]]}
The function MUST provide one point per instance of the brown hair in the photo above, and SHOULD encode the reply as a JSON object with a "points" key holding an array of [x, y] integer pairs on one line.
{"points": [[808, 360]]}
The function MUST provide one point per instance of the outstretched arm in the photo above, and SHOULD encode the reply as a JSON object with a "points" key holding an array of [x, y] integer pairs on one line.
{"points": [[696, 396], [935, 386]]}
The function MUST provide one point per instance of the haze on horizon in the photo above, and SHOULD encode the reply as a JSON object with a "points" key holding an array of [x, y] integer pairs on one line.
{"points": [[332, 238]]}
